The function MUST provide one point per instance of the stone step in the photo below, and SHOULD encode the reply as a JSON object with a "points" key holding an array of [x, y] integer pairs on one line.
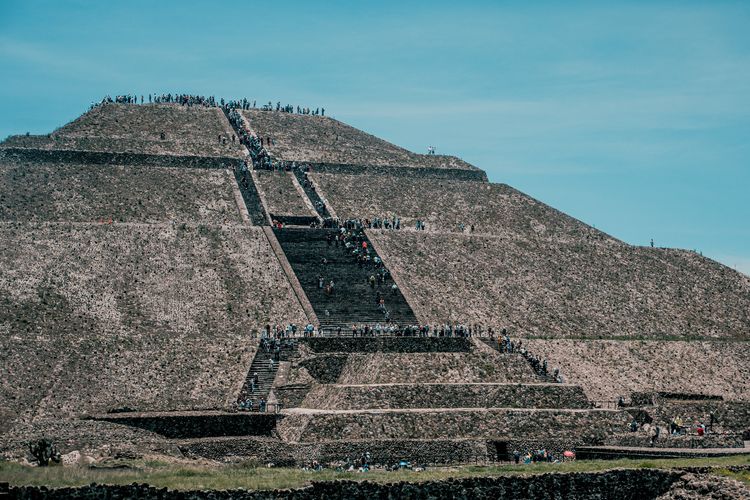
{"points": [[353, 299]]}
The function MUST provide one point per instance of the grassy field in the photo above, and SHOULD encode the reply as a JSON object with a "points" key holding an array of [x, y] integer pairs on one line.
{"points": [[742, 476], [187, 476]]}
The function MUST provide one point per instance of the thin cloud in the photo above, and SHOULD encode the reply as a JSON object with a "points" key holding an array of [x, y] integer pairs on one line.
{"points": [[49, 58]]}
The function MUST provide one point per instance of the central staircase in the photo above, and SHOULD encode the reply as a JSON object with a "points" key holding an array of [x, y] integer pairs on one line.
{"points": [[266, 364], [353, 300]]}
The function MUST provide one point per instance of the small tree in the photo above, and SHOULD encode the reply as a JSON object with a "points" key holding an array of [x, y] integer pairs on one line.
{"points": [[44, 451]]}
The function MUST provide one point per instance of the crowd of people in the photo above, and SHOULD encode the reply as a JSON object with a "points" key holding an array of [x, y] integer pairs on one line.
{"points": [[255, 145], [288, 108], [677, 427], [539, 365], [352, 240], [271, 333], [182, 99], [208, 101], [384, 222], [541, 455], [271, 336], [248, 404], [396, 330]]}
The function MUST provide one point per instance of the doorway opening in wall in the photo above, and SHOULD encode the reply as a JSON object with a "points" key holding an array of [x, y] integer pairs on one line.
{"points": [[498, 451]]}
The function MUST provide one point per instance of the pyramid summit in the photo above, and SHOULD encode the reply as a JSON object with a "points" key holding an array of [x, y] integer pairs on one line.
{"points": [[207, 278]]}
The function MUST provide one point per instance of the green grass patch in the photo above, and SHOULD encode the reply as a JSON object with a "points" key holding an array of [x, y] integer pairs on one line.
{"points": [[742, 476], [220, 477]]}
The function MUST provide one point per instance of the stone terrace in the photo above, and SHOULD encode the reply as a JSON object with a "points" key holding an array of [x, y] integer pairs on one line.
{"points": [[319, 139], [152, 317], [444, 367], [403, 390], [607, 369], [444, 204], [457, 395], [541, 287], [131, 128], [37, 192], [281, 195], [583, 425]]}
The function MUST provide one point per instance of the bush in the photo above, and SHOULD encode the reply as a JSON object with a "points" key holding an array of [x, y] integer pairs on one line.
{"points": [[44, 451]]}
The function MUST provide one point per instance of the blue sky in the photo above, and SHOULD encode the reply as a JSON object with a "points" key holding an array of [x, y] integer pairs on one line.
{"points": [[632, 116]]}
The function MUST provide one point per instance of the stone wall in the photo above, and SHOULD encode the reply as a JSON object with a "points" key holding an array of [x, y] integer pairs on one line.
{"points": [[607, 369], [412, 173], [620, 484], [382, 452], [731, 416], [74, 192], [43, 150], [291, 395], [387, 344], [90, 437], [641, 439], [586, 426], [477, 366], [550, 288], [351, 397], [181, 425], [325, 369]]}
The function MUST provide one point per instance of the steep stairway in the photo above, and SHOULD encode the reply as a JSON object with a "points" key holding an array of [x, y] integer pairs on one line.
{"points": [[353, 300], [243, 177], [311, 193], [250, 195], [266, 364], [541, 370]]}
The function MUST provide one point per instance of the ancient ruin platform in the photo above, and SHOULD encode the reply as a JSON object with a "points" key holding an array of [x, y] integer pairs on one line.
{"points": [[309, 425], [138, 268], [535, 286], [84, 192], [455, 395], [155, 129], [616, 452]]}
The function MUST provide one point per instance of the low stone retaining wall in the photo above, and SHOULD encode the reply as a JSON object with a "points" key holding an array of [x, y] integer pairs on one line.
{"points": [[110, 158], [437, 367], [639, 439], [294, 220], [291, 395], [382, 452], [650, 398], [583, 426], [585, 452], [387, 344], [196, 426], [621, 484], [351, 397], [454, 174], [325, 369], [733, 416]]}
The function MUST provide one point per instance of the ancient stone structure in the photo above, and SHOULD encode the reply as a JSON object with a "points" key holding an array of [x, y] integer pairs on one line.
{"points": [[139, 270], [624, 484]]}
